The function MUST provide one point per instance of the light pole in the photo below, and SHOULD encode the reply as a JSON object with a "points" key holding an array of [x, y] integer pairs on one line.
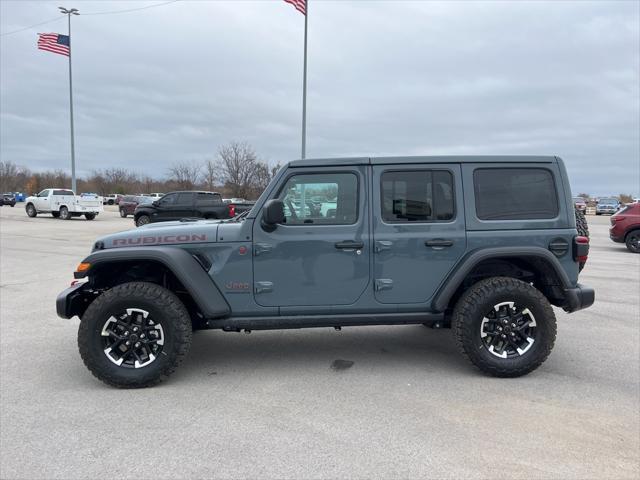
{"points": [[68, 13]]}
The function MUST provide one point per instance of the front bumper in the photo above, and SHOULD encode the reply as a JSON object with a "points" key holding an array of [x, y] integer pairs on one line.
{"points": [[578, 298], [72, 301]]}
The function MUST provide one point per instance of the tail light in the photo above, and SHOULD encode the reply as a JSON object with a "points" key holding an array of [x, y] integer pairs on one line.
{"points": [[580, 249], [232, 210]]}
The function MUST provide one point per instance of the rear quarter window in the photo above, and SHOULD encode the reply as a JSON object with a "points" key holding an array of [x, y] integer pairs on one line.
{"points": [[515, 194]]}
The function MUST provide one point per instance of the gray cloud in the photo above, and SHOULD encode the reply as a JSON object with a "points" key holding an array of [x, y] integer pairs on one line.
{"points": [[385, 78]]}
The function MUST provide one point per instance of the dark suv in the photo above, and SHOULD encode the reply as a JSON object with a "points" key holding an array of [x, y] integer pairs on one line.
{"points": [[484, 245], [180, 205], [8, 199]]}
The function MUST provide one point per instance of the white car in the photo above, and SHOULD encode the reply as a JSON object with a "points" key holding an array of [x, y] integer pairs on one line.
{"points": [[64, 204]]}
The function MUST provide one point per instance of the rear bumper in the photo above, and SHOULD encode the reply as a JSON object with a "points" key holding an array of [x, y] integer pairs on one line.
{"points": [[578, 298]]}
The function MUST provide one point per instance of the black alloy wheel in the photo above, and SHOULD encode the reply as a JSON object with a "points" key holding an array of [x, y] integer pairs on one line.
{"points": [[132, 338], [508, 330]]}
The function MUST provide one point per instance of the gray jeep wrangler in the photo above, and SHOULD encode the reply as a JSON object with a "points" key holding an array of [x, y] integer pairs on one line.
{"points": [[484, 245]]}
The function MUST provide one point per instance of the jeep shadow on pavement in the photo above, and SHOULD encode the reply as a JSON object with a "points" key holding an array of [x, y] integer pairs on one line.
{"points": [[483, 245]]}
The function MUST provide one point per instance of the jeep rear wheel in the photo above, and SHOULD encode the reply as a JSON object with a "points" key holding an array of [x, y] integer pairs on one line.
{"points": [[134, 335], [31, 210], [504, 326]]}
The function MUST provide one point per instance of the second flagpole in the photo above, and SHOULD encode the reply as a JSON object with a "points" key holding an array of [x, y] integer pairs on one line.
{"points": [[304, 85]]}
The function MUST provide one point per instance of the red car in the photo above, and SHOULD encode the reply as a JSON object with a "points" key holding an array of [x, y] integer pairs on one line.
{"points": [[625, 227], [128, 204]]}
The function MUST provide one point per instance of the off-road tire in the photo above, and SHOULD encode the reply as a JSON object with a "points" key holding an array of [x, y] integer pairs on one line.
{"points": [[89, 216], [31, 210], [163, 305], [632, 241], [123, 214], [581, 223], [64, 213], [583, 230], [143, 220], [480, 299]]}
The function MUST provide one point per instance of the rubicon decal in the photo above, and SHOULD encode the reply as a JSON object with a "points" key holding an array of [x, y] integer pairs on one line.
{"points": [[159, 240]]}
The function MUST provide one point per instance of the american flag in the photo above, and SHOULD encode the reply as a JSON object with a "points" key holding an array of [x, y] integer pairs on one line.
{"points": [[54, 42], [301, 5]]}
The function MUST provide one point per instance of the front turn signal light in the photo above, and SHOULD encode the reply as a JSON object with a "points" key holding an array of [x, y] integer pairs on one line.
{"points": [[83, 267]]}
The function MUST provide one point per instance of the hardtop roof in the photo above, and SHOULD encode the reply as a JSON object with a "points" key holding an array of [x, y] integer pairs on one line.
{"points": [[321, 162]]}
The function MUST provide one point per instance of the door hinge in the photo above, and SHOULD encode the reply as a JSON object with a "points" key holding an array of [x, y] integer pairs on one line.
{"points": [[263, 287], [383, 284]]}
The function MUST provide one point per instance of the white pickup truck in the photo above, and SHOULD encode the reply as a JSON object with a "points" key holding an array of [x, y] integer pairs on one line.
{"points": [[63, 204]]}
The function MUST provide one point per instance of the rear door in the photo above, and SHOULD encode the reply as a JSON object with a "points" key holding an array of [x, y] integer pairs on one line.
{"points": [[418, 228]]}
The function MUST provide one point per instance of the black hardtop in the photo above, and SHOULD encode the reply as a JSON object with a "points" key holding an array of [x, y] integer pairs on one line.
{"points": [[336, 162]]}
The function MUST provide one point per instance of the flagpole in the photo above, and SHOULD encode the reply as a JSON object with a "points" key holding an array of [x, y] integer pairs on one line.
{"points": [[304, 85], [68, 13]]}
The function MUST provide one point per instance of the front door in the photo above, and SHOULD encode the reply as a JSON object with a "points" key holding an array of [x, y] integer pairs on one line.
{"points": [[419, 229], [320, 255], [41, 202]]}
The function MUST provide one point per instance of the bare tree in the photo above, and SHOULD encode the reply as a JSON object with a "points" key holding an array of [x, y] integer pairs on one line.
{"points": [[13, 178], [210, 174], [237, 167], [185, 175]]}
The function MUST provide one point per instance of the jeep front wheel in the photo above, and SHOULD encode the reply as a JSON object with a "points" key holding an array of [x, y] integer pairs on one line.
{"points": [[504, 326], [134, 335]]}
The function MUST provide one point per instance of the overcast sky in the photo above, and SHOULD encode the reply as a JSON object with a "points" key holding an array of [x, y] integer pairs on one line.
{"points": [[385, 78]]}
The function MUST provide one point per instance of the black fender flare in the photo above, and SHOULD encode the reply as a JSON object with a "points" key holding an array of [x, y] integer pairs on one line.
{"points": [[468, 263], [181, 263]]}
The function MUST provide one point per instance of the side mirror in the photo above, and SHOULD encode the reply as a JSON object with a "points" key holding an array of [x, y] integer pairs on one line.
{"points": [[272, 214], [155, 203]]}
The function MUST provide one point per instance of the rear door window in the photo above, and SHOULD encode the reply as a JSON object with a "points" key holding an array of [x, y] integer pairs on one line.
{"points": [[204, 199], [184, 198], [515, 194], [417, 196]]}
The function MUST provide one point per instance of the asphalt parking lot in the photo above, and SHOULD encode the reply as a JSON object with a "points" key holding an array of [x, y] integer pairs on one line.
{"points": [[278, 405]]}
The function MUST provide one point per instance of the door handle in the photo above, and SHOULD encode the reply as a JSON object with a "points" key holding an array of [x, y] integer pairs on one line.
{"points": [[349, 245], [438, 242]]}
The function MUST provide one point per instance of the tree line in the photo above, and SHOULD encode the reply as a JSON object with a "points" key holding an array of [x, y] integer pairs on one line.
{"points": [[236, 171]]}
